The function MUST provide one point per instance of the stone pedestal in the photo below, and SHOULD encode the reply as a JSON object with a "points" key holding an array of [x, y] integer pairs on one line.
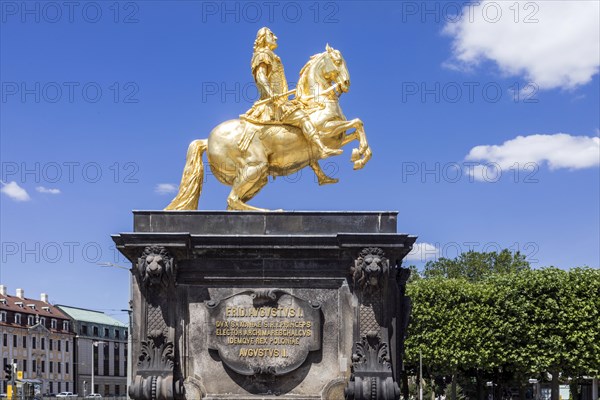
{"points": [[253, 305]]}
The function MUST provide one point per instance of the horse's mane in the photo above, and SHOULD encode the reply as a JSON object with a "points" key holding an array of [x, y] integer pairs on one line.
{"points": [[312, 60]]}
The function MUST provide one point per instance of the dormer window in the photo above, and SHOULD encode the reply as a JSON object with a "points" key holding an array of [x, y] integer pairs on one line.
{"points": [[30, 320], [65, 325], [53, 323], [43, 321], [19, 303], [3, 301], [18, 319], [47, 309], [32, 306]]}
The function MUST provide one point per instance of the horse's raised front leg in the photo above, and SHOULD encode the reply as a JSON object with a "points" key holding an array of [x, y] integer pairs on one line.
{"points": [[250, 179], [321, 175], [362, 154]]}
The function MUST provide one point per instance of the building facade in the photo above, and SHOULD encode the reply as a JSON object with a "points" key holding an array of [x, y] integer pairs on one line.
{"points": [[101, 342], [40, 340]]}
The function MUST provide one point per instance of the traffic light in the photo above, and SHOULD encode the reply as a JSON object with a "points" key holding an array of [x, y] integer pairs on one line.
{"points": [[8, 371]]}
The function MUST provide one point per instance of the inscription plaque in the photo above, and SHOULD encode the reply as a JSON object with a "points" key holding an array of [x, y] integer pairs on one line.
{"points": [[264, 331]]}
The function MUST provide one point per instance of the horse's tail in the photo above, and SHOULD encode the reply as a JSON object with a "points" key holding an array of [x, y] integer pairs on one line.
{"points": [[192, 179]]}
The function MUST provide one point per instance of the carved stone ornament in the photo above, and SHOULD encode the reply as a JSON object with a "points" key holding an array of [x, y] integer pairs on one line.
{"points": [[156, 267], [154, 378], [369, 269], [371, 372]]}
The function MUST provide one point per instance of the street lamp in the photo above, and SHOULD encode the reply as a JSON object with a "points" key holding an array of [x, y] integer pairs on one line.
{"points": [[95, 343]]}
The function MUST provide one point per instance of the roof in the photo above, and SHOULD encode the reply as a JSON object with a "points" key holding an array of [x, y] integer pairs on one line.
{"points": [[38, 307], [85, 315]]}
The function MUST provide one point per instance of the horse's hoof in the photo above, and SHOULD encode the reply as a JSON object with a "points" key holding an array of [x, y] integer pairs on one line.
{"points": [[327, 180], [355, 155], [359, 164]]}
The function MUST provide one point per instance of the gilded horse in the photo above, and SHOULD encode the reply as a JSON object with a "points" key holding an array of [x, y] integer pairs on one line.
{"points": [[243, 154]]}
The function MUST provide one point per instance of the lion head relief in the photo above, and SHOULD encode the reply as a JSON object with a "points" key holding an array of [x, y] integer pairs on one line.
{"points": [[155, 266], [369, 268]]}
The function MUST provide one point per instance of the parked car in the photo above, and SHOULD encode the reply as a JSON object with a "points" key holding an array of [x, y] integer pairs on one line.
{"points": [[66, 395], [93, 396]]}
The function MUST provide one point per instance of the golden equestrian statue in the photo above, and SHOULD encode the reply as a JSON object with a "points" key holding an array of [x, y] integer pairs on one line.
{"points": [[277, 136]]}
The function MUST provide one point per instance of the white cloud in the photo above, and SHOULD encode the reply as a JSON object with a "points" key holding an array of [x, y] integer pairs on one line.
{"points": [[423, 252], [165, 188], [560, 150], [554, 44], [46, 190], [14, 191]]}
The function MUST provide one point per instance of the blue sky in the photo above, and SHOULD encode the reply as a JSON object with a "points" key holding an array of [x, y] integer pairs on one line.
{"points": [[99, 101]]}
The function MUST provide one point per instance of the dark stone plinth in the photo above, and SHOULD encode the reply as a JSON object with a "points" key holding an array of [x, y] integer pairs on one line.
{"points": [[254, 305], [264, 223]]}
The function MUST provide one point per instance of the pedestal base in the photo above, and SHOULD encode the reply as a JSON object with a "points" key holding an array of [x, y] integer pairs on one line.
{"points": [[253, 305]]}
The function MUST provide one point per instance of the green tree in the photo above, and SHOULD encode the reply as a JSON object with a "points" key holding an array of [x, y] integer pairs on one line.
{"points": [[489, 316], [475, 266]]}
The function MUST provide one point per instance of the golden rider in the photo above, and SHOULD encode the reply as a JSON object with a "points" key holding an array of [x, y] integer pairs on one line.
{"points": [[274, 107]]}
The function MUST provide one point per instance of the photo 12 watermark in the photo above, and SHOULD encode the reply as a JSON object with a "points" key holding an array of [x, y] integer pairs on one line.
{"points": [[493, 12], [424, 252], [61, 252], [468, 171], [69, 172], [467, 92], [70, 12], [69, 92], [268, 12]]}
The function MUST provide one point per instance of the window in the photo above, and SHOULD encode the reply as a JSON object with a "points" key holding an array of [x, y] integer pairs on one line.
{"points": [[24, 342], [14, 340], [126, 334], [2, 316], [43, 343], [24, 365], [50, 344], [84, 330], [106, 361], [43, 366], [59, 389], [43, 321], [67, 386], [33, 342], [51, 387], [67, 346], [58, 344], [5, 340], [53, 323], [117, 390], [59, 367], [33, 365], [95, 331], [66, 368], [106, 389], [106, 332], [117, 333], [117, 362], [51, 366], [30, 320], [65, 325], [18, 319]]}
